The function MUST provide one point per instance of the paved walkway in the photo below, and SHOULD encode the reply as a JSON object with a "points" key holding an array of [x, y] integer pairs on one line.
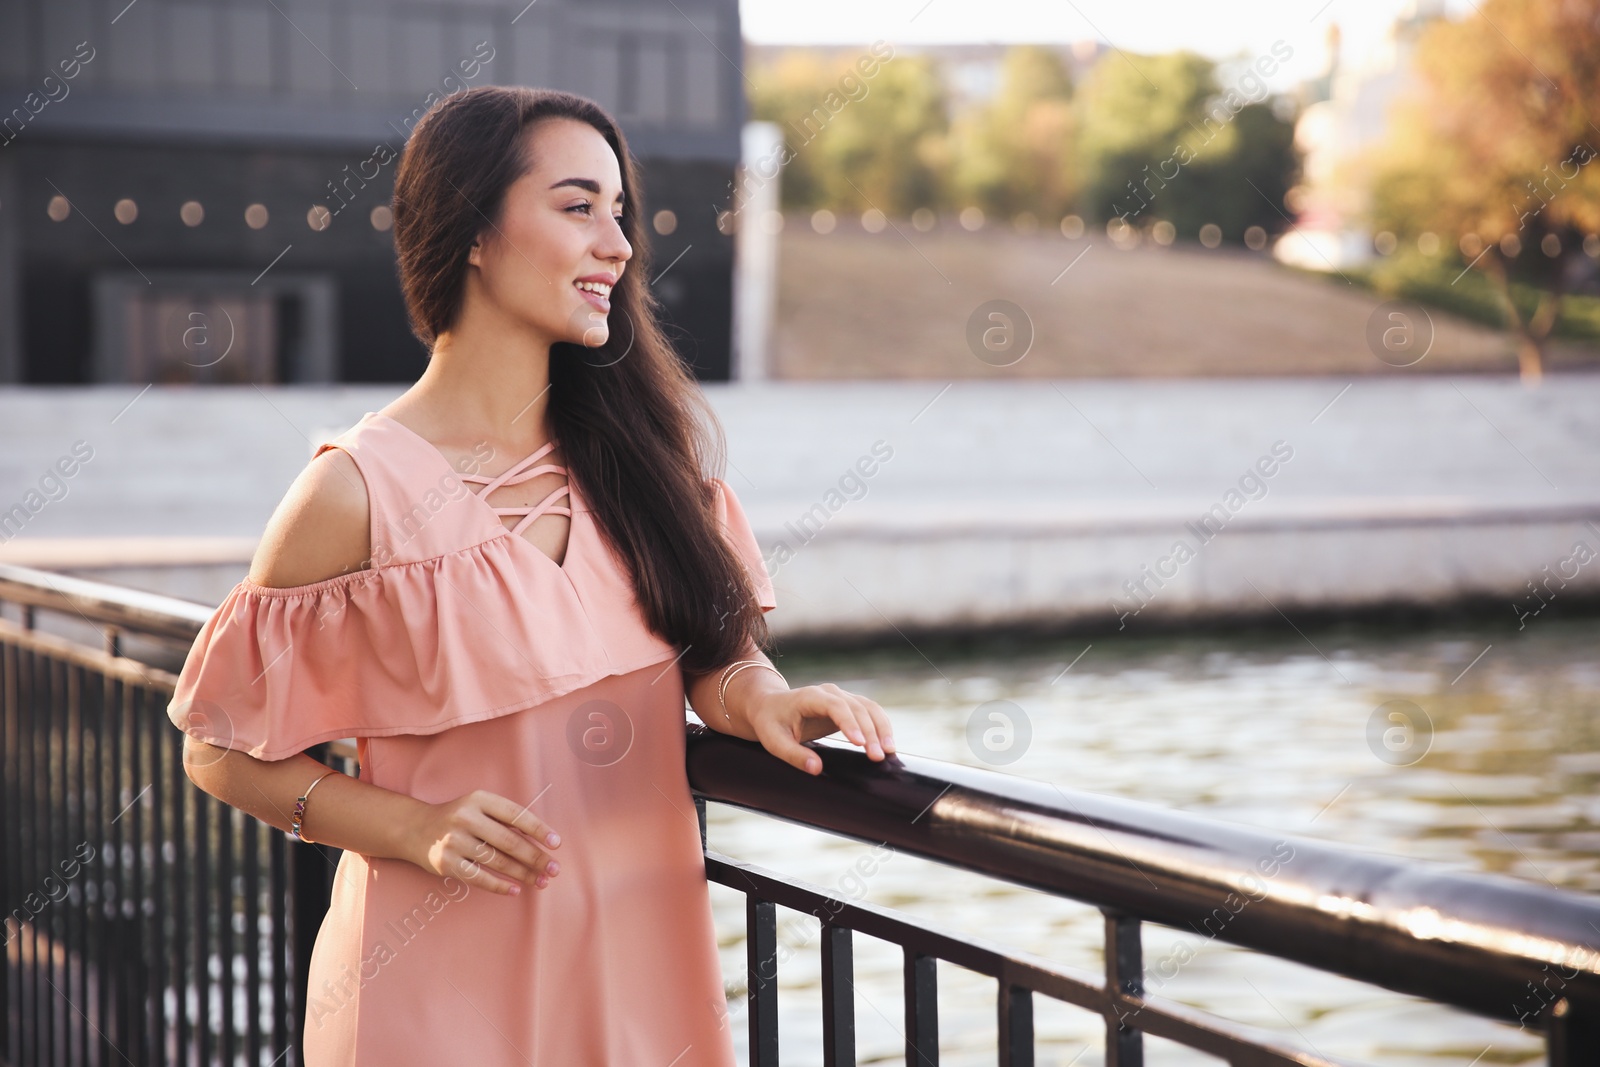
{"points": [[926, 504]]}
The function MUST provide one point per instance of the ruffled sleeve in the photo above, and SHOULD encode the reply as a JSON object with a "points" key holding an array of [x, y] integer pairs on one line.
{"points": [[275, 671], [736, 528]]}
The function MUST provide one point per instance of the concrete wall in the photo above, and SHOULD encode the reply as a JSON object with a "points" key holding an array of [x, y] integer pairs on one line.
{"points": [[916, 505]]}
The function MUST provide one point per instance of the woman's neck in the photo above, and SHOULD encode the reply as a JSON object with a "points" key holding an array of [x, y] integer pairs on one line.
{"points": [[499, 390]]}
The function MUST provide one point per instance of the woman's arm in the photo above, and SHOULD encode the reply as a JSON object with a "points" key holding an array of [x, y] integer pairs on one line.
{"points": [[344, 812], [761, 707]]}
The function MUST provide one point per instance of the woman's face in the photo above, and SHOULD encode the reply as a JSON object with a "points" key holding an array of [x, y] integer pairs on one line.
{"points": [[559, 227]]}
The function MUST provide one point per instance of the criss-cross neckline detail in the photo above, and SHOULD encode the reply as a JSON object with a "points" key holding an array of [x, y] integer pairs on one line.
{"points": [[518, 472]]}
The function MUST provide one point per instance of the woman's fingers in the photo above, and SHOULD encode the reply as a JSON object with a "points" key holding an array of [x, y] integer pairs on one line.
{"points": [[508, 852], [861, 719], [867, 726], [501, 857], [880, 721], [509, 812], [472, 869], [780, 741]]}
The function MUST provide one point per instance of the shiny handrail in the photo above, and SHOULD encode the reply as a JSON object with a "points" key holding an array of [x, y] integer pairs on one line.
{"points": [[103, 604], [1476, 941]]}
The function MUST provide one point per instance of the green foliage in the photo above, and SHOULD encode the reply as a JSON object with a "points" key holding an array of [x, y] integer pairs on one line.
{"points": [[1161, 140], [873, 143], [1439, 282], [1040, 145], [1016, 152]]}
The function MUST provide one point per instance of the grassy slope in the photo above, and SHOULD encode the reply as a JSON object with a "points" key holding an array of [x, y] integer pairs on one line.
{"points": [[897, 304]]}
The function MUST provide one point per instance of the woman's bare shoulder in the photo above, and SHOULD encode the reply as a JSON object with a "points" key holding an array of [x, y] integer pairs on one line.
{"points": [[321, 527]]}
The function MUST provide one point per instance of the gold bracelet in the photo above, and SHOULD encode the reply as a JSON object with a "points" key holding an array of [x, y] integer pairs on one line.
{"points": [[734, 668], [298, 818]]}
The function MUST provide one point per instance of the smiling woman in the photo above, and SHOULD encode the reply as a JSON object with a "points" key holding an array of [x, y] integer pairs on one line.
{"points": [[512, 659]]}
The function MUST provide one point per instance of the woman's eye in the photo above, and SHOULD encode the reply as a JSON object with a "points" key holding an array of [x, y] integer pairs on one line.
{"points": [[585, 208]]}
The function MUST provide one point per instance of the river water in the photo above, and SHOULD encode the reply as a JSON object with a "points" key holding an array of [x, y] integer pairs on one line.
{"points": [[1268, 727]]}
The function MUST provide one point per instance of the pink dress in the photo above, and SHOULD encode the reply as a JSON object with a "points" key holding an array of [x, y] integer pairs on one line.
{"points": [[466, 658]]}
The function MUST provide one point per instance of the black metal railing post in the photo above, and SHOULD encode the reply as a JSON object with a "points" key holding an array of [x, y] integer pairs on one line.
{"points": [[1015, 1024], [1574, 1037], [922, 1009], [838, 998], [761, 963], [312, 868], [1124, 978]]}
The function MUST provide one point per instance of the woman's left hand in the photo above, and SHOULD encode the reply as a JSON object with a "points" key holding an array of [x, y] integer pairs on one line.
{"points": [[782, 720]]}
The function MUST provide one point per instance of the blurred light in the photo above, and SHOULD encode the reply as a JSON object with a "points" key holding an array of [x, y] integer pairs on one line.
{"points": [[1163, 233], [665, 221], [1255, 239], [1211, 235], [972, 218], [1551, 245], [1122, 235], [58, 209], [1471, 244], [382, 218], [1428, 244], [872, 220], [772, 221], [823, 221], [924, 219], [1591, 246], [192, 213], [125, 211], [1385, 243], [255, 216], [1072, 226], [1510, 245], [319, 217], [1025, 222]]}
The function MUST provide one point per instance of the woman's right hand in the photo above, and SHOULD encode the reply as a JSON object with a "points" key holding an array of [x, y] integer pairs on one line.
{"points": [[484, 839]]}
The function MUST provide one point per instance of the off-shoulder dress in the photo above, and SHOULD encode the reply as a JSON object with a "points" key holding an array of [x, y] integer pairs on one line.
{"points": [[467, 658]]}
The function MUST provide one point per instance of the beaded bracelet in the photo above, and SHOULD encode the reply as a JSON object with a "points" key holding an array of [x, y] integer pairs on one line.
{"points": [[734, 668], [298, 818]]}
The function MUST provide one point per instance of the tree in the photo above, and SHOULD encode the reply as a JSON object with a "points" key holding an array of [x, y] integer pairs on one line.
{"points": [[852, 141], [1161, 139], [1016, 152], [1495, 147]]}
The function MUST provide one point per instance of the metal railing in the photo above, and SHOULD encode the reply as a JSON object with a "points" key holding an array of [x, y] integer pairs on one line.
{"points": [[1506, 949], [148, 922], [144, 921]]}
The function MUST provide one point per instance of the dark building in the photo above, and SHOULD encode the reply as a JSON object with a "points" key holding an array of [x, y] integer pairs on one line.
{"points": [[181, 179]]}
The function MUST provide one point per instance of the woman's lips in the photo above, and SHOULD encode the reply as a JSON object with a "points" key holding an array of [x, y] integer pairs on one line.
{"points": [[596, 299]]}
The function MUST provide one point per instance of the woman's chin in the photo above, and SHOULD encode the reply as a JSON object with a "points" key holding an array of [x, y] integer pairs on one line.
{"points": [[588, 327], [594, 336]]}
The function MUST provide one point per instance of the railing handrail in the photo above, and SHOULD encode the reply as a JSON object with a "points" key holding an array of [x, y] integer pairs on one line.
{"points": [[102, 603], [1471, 940]]}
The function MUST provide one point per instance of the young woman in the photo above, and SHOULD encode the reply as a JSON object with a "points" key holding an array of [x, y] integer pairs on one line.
{"points": [[503, 585]]}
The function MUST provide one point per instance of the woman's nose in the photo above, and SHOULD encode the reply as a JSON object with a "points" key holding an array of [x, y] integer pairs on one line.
{"points": [[614, 245]]}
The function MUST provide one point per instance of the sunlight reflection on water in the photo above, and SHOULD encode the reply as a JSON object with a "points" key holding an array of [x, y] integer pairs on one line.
{"points": [[1250, 727]]}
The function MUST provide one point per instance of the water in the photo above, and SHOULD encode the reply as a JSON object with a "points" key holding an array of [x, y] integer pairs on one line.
{"points": [[1265, 727]]}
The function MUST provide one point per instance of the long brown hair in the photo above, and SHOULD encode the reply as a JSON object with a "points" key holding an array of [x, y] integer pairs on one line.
{"points": [[637, 433]]}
